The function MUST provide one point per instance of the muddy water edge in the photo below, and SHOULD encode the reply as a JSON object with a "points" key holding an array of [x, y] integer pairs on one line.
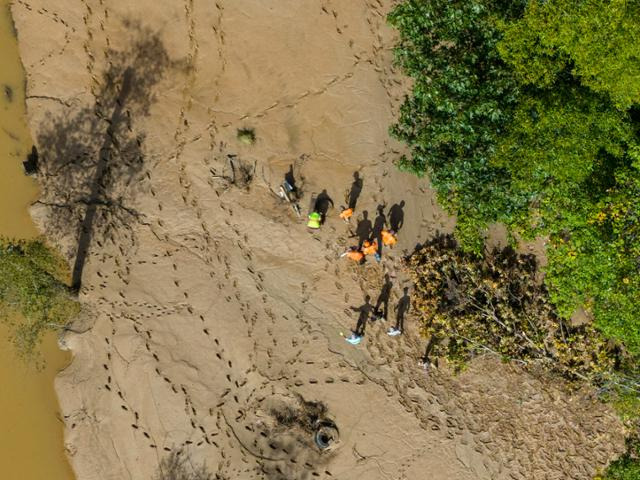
{"points": [[31, 444]]}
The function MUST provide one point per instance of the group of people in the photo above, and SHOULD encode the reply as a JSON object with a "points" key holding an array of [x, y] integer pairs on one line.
{"points": [[371, 246], [371, 239], [380, 311]]}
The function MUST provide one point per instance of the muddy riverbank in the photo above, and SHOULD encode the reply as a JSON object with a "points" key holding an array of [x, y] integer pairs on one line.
{"points": [[216, 314]]}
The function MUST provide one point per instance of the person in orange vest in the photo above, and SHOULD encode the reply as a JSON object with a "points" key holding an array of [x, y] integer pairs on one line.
{"points": [[389, 238], [352, 198], [354, 254], [346, 214], [370, 248]]}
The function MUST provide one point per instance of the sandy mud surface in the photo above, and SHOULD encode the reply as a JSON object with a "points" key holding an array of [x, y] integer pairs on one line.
{"points": [[213, 317]]}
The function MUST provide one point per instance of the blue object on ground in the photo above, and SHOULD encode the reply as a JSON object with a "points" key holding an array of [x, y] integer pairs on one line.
{"points": [[353, 339]]}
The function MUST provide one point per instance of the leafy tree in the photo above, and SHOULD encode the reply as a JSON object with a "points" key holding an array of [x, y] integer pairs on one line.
{"points": [[554, 147], [33, 295], [573, 145], [596, 40], [462, 100], [573, 160], [597, 264], [528, 115]]}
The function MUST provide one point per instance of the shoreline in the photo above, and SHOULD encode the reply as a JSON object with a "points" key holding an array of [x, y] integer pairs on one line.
{"points": [[32, 442]]}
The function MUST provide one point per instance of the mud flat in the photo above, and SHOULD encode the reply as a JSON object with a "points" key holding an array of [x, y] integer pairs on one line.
{"points": [[216, 316]]}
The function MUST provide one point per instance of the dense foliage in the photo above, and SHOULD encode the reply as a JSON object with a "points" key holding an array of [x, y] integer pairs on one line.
{"points": [[625, 468], [33, 295], [527, 113], [627, 403], [470, 304], [462, 101], [597, 41]]}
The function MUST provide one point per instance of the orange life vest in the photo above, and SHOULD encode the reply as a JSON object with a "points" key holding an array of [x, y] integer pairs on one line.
{"points": [[388, 238], [355, 255], [346, 214], [369, 248]]}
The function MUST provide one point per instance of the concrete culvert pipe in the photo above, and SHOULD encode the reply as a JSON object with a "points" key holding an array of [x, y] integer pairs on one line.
{"points": [[326, 435]]}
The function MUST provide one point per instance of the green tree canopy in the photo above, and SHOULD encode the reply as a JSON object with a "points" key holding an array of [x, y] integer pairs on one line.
{"points": [[462, 100], [597, 266], [556, 150], [528, 113], [596, 40]]}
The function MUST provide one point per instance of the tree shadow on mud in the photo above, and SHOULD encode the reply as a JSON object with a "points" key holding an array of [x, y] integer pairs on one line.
{"points": [[91, 157]]}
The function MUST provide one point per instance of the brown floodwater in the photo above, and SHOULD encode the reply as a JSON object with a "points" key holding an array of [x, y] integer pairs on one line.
{"points": [[31, 444]]}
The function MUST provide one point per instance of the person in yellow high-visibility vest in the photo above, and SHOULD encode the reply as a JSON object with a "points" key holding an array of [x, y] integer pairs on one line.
{"points": [[315, 219]]}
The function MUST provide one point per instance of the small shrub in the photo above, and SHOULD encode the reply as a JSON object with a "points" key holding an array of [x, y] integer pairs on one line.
{"points": [[626, 402], [625, 468], [177, 466], [305, 414], [33, 295], [247, 136]]}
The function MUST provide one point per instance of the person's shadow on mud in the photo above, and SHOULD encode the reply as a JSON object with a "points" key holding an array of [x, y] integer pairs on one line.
{"points": [[378, 225], [403, 306], [396, 216], [383, 299], [365, 312], [426, 358], [323, 202], [356, 189], [364, 229]]}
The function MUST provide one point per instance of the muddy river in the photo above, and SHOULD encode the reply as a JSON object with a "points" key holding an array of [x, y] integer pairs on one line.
{"points": [[31, 444]]}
